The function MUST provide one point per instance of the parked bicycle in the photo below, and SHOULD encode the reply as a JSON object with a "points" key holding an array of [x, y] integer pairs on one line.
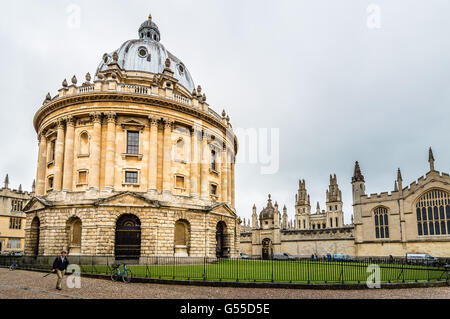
{"points": [[14, 265], [117, 273]]}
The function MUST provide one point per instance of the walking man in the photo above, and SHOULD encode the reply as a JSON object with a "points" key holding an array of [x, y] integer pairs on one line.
{"points": [[60, 265]]}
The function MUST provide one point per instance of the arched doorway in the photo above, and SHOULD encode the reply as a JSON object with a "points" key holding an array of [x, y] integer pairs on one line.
{"points": [[34, 236], [74, 235], [266, 248], [221, 250], [128, 237]]}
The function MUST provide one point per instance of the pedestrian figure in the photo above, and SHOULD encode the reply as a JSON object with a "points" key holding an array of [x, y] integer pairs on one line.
{"points": [[60, 265]]}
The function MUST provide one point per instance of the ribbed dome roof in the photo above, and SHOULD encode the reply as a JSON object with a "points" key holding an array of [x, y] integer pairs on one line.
{"points": [[268, 211], [147, 54]]}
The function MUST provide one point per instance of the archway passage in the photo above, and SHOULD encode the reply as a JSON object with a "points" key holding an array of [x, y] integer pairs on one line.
{"points": [[34, 236], [128, 237], [266, 248], [221, 250]]}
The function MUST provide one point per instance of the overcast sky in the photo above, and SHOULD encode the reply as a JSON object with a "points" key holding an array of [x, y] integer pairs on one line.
{"points": [[337, 89]]}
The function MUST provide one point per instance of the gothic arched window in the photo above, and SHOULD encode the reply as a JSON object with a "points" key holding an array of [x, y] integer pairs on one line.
{"points": [[433, 213], [381, 222]]}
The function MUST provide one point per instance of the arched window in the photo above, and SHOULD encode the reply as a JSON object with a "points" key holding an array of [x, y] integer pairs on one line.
{"points": [[179, 150], [433, 213], [84, 144], [381, 222]]}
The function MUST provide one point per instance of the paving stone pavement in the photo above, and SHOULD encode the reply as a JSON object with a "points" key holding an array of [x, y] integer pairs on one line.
{"points": [[19, 284]]}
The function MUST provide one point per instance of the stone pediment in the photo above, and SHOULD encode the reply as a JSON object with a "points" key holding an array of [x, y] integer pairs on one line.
{"points": [[223, 209], [127, 199], [36, 203]]}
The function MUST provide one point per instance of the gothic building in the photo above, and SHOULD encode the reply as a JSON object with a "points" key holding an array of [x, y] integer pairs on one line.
{"points": [[134, 163], [411, 219]]}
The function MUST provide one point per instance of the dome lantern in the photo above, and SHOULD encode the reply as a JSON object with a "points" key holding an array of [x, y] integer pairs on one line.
{"points": [[149, 30]]}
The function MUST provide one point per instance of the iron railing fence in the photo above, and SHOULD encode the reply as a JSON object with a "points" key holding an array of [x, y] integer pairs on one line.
{"points": [[300, 270]]}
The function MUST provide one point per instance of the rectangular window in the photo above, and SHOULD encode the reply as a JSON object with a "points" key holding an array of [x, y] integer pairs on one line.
{"points": [[15, 223], [52, 150], [179, 182], [132, 142], [213, 189], [82, 177], [131, 177], [50, 183], [14, 243]]}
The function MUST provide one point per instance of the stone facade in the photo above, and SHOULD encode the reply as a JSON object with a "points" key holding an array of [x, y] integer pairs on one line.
{"points": [[412, 219], [12, 217], [135, 142], [406, 211]]}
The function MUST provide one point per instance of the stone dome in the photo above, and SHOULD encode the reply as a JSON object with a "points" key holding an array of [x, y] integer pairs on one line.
{"points": [[148, 55], [268, 211]]}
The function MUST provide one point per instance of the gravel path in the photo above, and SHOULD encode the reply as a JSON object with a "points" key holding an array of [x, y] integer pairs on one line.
{"points": [[31, 285]]}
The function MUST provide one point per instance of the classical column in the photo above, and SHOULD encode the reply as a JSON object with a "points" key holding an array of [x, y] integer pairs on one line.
{"points": [[153, 155], [195, 160], [204, 166], [224, 175], [68, 154], [232, 183], [229, 161], [167, 157], [110, 150], [42, 165], [59, 155], [94, 158]]}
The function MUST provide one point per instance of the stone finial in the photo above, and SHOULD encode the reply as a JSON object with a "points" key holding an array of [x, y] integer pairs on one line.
{"points": [[20, 188], [204, 97], [33, 186], [194, 92], [64, 83], [48, 98], [74, 80], [167, 63], [88, 77], [318, 208], [115, 56], [357, 176], [224, 114], [399, 175], [199, 90], [228, 119], [155, 80], [6, 181], [105, 57], [431, 159], [395, 186]]}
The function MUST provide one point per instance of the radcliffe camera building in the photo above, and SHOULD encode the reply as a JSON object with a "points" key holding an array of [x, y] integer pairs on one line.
{"points": [[135, 163], [409, 219]]}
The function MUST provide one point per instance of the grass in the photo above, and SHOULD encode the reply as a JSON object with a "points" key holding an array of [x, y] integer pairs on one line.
{"points": [[279, 271]]}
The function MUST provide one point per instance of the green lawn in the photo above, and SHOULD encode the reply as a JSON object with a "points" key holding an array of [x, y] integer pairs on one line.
{"points": [[278, 271]]}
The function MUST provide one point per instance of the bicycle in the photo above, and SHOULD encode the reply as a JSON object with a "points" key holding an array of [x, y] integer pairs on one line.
{"points": [[116, 273], [14, 265]]}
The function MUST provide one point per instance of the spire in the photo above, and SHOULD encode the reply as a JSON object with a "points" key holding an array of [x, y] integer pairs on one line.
{"points": [[20, 188], [357, 176], [33, 186], [269, 201], [431, 159], [399, 180], [318, 208], [395, 186], [6, 181]]}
